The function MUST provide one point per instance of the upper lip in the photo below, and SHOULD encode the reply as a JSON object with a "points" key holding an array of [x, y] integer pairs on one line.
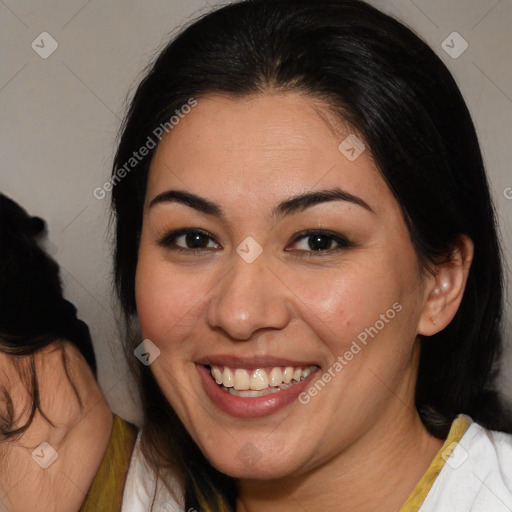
{"points": [[251, 362]]}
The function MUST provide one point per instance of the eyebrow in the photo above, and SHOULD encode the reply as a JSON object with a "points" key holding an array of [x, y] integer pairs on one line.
{"points": [[295, 204]]}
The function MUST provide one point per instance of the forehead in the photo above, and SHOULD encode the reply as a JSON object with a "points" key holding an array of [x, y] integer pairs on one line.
{"points": [[266, 147]]}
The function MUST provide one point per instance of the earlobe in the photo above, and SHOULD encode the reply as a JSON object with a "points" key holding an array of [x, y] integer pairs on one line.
{"points": [[445, 288]]}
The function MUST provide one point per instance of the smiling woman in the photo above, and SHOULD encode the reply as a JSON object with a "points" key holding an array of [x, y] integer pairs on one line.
{"points": [[319, 225]]}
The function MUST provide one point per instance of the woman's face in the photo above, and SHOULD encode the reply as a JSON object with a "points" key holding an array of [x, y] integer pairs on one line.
{"points": [[263, 281]]}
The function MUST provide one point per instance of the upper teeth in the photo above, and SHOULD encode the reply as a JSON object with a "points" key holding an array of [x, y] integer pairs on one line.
{"points": [[258, 379]]}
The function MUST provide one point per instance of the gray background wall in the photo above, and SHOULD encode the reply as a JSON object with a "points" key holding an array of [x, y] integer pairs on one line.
{"points": [[60, 117]]}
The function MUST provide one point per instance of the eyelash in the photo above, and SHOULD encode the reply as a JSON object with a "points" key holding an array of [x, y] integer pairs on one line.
{"points": [[168, 241]]}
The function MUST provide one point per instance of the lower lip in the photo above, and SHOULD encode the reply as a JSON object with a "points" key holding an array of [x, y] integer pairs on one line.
{"points": [[250, 407]]}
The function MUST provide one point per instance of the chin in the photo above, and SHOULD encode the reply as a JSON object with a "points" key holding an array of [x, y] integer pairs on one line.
{"points": [[261, 470], [248, 462]]}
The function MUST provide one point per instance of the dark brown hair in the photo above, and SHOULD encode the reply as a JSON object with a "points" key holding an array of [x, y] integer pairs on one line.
{"points": [[33, 311]]}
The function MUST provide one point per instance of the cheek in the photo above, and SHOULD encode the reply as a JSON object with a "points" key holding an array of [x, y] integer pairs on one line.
{"points": [[165, 299], [338, 305]]}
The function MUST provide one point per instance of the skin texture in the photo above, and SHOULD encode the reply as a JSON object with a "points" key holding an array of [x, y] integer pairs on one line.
{"points": [[80, 437], [361, 432]]}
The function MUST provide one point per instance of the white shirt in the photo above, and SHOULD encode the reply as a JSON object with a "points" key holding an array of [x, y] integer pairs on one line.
{"points": [[141, 488], [477, 477]]}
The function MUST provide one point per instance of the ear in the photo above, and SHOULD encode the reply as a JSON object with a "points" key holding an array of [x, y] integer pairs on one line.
{"points": [[443, 290]]}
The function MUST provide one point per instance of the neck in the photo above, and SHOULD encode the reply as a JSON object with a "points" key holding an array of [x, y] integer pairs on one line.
{"points": [[377, 472]]}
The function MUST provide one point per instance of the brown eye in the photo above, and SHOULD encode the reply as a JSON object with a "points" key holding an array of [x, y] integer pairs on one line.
{"points": [[320, 242], [195, 240], [188, 240]]}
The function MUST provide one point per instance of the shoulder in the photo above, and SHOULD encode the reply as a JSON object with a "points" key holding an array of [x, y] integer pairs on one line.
{"points": [[477, 476], [143, 488], [70, 438]]}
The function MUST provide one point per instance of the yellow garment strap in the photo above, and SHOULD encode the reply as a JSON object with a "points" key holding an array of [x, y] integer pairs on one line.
{"points": [[418, 495], [106, 492]]}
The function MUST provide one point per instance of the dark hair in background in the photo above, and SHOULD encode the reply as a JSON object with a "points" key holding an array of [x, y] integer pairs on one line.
{"points": [[381, 78], [33, 312]]}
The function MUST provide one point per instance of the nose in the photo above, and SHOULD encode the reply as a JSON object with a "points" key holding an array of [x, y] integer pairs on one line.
{"points": [[249, 298]]}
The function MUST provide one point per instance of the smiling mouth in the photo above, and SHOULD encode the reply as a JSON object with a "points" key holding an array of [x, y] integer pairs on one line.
{"points": [[260, 381]]}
